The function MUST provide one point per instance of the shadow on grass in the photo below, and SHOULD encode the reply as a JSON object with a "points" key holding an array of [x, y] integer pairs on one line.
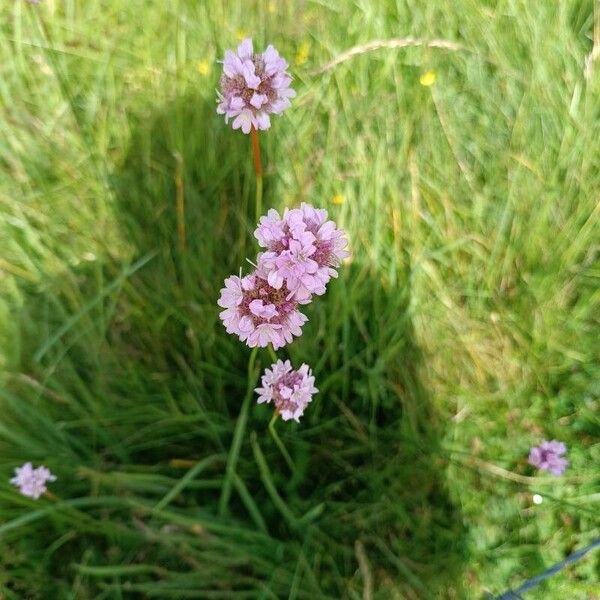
{"points": [[148, 375], [373, 450]]}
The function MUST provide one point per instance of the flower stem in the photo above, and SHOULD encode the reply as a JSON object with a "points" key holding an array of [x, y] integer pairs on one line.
{"points": [[258, 172], [256, 152], [267, 480], [272, 353], [258, 198], [280, 444], [238, 436]]}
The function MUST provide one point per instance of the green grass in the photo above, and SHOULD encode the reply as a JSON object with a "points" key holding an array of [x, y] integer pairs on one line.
{"points": [[463, 331]]}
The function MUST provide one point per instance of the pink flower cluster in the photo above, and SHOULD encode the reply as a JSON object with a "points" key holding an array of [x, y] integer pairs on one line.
{"points": [[548, 456], [32, 482], [258, 313], [289, 389], [253, 86], [303, 251]]}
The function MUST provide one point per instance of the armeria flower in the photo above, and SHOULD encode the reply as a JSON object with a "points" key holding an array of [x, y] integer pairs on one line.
{"points": [[258, 313], [303, 250], [290, 390], [32, 482], [253, 86], [548, 457]]}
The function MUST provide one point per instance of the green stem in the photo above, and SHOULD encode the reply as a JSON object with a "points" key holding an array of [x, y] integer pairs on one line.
{"points": [[267, 480], [258, 170], [280, 444], [238, 436], [258, 198]]}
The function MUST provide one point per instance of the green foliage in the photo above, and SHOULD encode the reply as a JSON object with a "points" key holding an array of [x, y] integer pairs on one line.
{"points": [[463, 331]]}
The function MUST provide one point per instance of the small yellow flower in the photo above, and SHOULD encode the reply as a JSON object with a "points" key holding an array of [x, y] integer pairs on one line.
{"points": [[338, 199], [203, 67], [302, 54], [240, 34], [271, 7], [428, 78]]}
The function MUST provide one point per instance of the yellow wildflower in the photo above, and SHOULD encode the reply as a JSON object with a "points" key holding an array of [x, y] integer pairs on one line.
{"points": [[338, 199], [428, 78], [302, 54], [203, 67]]}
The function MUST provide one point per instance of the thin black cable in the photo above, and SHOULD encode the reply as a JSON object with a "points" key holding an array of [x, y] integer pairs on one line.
{"points": [[531, 583]]}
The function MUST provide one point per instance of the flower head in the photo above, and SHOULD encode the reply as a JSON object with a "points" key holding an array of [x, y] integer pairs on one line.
{"points": [[548, 457], [303, 250], [258, 313], [32, 482], [427, 79], [290, 390], [203, 67], [253, 86]]}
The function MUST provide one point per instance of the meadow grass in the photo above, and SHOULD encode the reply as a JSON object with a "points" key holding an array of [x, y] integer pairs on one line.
{"points": [[463, 330]]}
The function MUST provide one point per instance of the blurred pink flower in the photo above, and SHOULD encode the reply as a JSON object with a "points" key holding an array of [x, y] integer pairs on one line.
{"points": [[258, 313], [548, 457], [32, 482], [253, 86], [290, 390], [303, 250]]}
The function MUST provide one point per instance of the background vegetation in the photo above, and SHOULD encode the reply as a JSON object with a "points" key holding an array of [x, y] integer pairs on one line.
{"points": [[463, 331]]}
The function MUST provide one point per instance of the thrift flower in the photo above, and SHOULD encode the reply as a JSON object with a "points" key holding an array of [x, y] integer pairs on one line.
{"points": [[32, 482], [303, 250], [290, 390], [253, 86], [258, 313], [548, 457]]}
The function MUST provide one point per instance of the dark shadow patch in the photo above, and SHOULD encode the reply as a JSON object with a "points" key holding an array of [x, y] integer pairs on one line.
{"points": [[147, 374]]}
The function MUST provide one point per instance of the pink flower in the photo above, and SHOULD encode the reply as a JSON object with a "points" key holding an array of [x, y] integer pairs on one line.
{"points": [[32, 482], [290, 390], [548, 457], [258, 313], [253, 86], [303, 250]]}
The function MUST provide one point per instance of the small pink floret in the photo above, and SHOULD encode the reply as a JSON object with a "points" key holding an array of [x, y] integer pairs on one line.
{"points": [[304, 249], [259, 313], [548, 456], [32, 482], [290, 390], [253, 86]]}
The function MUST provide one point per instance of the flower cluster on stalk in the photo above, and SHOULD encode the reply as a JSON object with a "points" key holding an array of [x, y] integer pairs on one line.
{"points": [[32, 482], [548, 456], [290, 390], [254, 85], [303, 251]]}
